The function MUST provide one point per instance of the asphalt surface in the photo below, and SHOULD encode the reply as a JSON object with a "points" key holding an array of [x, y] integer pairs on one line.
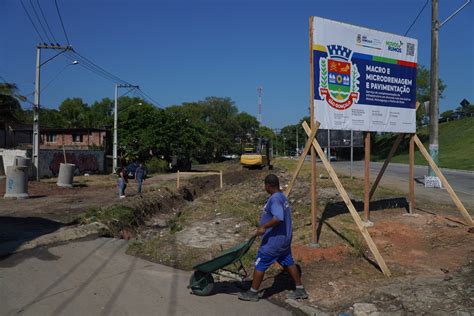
{"points": [[96, 277], [396, 175]]}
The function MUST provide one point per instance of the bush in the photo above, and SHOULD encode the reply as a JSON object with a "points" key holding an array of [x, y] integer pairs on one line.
{"points": [[156, 165]]}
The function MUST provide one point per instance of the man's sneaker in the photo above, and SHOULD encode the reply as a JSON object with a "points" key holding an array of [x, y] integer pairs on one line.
{"points": [[249, 296], [298, 294]]}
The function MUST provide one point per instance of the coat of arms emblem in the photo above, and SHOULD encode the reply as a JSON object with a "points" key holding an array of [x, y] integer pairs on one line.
{"points": [[338, 78]]}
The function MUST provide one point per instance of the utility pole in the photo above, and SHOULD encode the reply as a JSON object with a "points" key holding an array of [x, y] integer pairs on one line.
{"points": [[434, 88], [36, 105], [114, 154], [260, 94], [434, 93]]}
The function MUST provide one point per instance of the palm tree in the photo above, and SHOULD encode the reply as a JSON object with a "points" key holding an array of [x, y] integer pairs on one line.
{"points": [[10, 100]]}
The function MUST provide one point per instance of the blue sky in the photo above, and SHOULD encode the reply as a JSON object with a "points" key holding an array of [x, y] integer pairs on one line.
{"points": [[179, 51]]}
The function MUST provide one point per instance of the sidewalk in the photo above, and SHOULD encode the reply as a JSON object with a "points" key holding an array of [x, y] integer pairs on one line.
{"points": [[96, 277]]}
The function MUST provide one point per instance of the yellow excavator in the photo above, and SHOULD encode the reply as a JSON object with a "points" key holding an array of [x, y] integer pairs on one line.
{"points": [[257, 157]]}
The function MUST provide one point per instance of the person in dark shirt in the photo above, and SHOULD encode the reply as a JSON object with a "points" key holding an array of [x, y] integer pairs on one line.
{"points": [[276, 231], [140, 177]]}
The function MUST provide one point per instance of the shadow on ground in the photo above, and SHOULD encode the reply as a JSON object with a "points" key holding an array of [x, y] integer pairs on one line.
{"points": [[15, 231]]}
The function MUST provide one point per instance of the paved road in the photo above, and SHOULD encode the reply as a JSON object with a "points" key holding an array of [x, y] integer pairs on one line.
{"points": [[397, 175], [96, 277]]}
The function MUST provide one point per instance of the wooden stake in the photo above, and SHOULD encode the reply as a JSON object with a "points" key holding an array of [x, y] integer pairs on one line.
{"points": [[301, 160], [220, 176], [350, 206], [385, 164], [367, 176], [64, 153], [440, 175], [177, 180], [314, 169], [411, 193]]}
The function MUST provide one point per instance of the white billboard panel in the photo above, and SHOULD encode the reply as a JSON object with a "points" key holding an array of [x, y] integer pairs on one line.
{"points": [[363, 79]]}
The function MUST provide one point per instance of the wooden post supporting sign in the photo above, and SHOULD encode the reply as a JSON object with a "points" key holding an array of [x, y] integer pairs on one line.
{"points": [[367, 176], [350, 206], [411, 192], [314, 170]]}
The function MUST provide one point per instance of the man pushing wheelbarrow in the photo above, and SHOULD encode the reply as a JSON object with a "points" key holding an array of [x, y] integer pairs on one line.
{"points": [[276, 230]]}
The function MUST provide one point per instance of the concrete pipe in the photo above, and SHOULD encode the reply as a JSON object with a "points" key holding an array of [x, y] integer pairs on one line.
{"points": [[17, 183], [66, 175], [22, 162]]}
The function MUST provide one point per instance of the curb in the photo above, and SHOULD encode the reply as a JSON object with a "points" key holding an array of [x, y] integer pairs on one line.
{"points": [[305, 309], [61, 235]]}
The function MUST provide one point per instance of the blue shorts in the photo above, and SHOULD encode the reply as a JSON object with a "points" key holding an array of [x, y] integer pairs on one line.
{"points": [[263, 261]]}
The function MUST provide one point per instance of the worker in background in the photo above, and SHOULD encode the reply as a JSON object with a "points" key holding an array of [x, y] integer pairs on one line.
{"points": [[140, 177]]}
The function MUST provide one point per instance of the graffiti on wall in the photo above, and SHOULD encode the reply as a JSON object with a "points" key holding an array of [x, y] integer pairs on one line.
{"points": [[85, 162]]}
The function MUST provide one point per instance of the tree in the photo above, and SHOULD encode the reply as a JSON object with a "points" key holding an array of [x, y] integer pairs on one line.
{"points": [[423, 90], [139, 128], [10, 100], [74, 112], [447, 114], [102, 113]]}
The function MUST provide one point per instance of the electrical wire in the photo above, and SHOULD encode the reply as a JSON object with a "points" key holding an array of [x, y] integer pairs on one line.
{"points": [[46, 22], [153, 101], [55, 77], [62, 24], [31, 20], [418, 15], [100, 68], [73, 55], [39, 21]]}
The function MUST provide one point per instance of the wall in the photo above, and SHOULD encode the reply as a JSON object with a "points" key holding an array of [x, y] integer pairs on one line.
{"points": [[86, 161], [94, 138]]}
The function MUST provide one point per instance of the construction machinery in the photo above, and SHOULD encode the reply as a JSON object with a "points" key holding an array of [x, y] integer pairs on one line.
{"points": [[258, 155]]}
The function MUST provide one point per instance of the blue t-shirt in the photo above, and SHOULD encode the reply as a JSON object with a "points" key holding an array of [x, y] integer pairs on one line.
{"points": [[276, 240], [140, 173]]}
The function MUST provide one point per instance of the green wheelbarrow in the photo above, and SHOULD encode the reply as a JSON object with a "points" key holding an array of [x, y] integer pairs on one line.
{"points": [[202, 282]]}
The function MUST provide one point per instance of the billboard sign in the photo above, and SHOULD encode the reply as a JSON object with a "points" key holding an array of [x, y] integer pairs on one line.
{"points": [[364, 79]]}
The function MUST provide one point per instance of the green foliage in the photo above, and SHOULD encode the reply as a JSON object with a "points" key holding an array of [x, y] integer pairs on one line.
{"points": [[74, 111], [447, 114], [10, 101], [156, 165], [423, 90]]}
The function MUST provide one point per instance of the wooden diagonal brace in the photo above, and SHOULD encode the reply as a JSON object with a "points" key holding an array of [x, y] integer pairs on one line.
{"points": [[302, 158], [440, 175], [385, 164], [350, 206]]}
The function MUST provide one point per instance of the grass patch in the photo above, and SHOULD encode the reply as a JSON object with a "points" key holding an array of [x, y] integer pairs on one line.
{"points": [[358, 244], [115, 218], [456, 145]]}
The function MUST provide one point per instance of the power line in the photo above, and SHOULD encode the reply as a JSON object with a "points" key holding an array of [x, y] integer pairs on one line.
{"points": [[31, 20], [419, 13], [99, 68], [39, 21], [62, 24], [156, 103], [46, 21], [55, 77]]}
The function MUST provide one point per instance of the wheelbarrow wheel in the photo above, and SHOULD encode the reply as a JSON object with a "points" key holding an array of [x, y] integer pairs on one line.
{"points": [[202, 283]]}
